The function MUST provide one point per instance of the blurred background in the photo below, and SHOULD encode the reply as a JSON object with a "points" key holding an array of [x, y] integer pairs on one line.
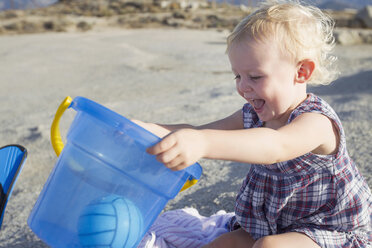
{"points": [[353, 19], [325, 4]]}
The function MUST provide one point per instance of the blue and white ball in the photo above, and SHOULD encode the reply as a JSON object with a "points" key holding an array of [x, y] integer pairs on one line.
{"points": [[111, 222]]}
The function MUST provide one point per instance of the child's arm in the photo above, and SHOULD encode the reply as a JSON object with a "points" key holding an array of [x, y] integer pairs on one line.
{"points": [[308, 132], [160, 130], [234, 121]]}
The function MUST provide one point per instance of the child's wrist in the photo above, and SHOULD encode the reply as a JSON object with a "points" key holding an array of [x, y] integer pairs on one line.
{"points": [[204, 142]]}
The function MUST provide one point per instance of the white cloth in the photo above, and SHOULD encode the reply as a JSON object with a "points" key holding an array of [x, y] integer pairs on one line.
{"points": [[185, 228]]}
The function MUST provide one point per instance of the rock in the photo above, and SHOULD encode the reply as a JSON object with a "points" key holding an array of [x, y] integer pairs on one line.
{"points": [[10, 14], [172, 22], [198, 19], [213, 21], [245, 8], [345, 36], [30, 27], [365, 15], [48, 25], [355, 23], [179, 15], [55, 25], [175, 6], [134, 7], [83, 26], [15, 26], [366, 36], [348, 36], [349, 22]]}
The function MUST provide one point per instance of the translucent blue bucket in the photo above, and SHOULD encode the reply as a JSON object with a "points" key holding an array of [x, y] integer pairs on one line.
{"points": [[105, 190]]}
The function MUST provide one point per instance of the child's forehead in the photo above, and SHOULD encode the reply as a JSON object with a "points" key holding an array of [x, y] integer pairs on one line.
{"points": [[263, 45], [256, 55], [245, 55], [259, 47]]}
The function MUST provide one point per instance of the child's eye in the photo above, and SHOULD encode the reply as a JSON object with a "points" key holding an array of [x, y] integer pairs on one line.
{"points": [[255, 78], [237, 77]]}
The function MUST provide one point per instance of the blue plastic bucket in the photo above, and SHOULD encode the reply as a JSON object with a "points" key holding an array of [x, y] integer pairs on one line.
{"points": [[105, 190]]}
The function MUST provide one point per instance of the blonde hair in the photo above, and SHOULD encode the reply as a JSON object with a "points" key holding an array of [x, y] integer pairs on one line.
{"points": [[302, 32]]}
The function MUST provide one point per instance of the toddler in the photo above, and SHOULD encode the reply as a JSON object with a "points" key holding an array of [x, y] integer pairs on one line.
{"points": [[302, 189]]}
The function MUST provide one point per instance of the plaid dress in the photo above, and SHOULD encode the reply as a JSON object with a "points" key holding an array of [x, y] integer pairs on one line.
{"points": [[322, 196]]}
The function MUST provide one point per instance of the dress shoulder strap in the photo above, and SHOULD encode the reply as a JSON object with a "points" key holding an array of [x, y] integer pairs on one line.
{"points": [[315, 104]]}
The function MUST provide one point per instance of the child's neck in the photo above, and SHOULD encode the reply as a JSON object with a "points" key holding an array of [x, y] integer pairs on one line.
{"points": [[283, 120]]}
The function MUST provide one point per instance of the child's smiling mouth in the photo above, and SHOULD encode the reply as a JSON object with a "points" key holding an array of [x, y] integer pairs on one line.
{"points": [[257, 104]]}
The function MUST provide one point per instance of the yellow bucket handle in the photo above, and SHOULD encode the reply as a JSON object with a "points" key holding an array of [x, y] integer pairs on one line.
{"points": [[55, 135], [189, 183], [58, 145]]}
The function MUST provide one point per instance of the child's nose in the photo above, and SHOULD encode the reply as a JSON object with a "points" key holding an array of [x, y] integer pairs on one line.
{"points": [[244, 86]]}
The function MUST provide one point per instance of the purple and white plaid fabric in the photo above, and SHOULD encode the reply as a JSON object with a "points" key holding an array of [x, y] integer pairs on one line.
{"points": [[185, 228], [322, 196]]}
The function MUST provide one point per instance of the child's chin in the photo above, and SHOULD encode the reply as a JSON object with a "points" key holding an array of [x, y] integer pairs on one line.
{"points": [[264, 118]]}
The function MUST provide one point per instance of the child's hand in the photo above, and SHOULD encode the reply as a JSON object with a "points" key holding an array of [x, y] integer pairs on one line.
{"points": [[153, 128], [180, 149]]}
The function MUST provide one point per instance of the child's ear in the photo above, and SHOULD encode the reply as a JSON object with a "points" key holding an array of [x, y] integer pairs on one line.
{"points": [[305, 69]]}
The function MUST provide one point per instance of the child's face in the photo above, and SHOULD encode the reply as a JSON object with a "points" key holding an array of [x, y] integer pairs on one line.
{"points": [[265, 78]]}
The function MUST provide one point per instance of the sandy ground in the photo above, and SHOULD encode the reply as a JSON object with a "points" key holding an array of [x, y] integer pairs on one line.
{"points": [[163, 76]]}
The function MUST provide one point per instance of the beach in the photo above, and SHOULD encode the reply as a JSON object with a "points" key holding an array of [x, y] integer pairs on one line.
{"points": [[155, 75]]}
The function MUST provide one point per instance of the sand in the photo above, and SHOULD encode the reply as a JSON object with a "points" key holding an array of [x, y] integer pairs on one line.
{"points": [[166, 76]]}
